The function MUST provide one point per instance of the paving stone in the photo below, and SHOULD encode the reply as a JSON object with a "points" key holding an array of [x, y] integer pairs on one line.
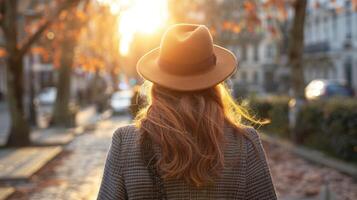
{"points": [[52, 136], [81, 171], [22, 163]]}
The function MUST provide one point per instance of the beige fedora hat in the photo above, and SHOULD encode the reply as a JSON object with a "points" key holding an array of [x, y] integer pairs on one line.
{"points": [[187, 60]]}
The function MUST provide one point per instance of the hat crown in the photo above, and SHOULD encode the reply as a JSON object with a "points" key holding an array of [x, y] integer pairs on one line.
{"points": [[186, 49], [187, 60]]}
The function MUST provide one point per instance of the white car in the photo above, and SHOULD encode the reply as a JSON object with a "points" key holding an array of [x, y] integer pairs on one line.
{"points": [[324, 89], [121, 101], [47, 96]]}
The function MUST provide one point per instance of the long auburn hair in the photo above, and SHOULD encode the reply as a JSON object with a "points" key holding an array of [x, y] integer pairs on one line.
{"points": [[189, 129]]}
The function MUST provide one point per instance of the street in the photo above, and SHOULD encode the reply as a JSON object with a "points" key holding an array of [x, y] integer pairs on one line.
{"points": [[76, 174], [289, 67]]}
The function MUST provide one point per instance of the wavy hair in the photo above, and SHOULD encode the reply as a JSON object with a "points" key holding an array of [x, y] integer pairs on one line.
{"points": [[189, 129]]}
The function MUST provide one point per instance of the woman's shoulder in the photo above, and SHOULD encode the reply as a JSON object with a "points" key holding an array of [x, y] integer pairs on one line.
{"points": [[250, 137], [248, 132], [253, 143], [125, 134], [252, 134]]}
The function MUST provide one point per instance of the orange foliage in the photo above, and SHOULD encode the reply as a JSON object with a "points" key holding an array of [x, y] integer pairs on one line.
{"points": [[354, 5], [227, 25], [250, 6], [67, 28], [232, 26], [252, 19], [41, 51], [280, 6], [98, 47], [237, 28], [3, 52]]}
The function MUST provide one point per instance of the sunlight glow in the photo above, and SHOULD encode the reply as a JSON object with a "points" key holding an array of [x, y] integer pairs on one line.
{"points": [[137, 16], [142, 16]]}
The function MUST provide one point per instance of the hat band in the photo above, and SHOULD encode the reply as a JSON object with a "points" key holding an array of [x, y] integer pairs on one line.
{"points": [[188, 69]]}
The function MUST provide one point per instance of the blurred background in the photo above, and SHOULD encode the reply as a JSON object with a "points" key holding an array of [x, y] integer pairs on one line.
{"points": [[68, 80]]}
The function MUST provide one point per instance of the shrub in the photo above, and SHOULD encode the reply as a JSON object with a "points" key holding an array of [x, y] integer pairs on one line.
{"points": [[330, 126], [275, 109], [309, 121], [340, 126]]}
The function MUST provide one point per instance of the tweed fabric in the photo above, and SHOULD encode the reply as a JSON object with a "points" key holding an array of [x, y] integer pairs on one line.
{"points": [[246, 174]]}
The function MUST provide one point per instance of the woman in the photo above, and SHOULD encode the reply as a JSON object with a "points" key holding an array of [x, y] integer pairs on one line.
{"points": [[189, 142]]}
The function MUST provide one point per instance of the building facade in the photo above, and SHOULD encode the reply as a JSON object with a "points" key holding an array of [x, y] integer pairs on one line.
{"points": [[331, 43], [257, 64]]}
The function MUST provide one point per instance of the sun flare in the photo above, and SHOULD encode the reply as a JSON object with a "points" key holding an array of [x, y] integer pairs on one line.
{"points": [[137, 16]]}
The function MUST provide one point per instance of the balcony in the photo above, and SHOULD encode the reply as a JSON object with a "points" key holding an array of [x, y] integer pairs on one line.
{"points": [[319, 47]]}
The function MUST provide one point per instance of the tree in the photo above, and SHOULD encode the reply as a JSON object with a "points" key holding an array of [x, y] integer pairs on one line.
{"points": [[98, 47], [296, 49], [15, 50], [67, 29], [92, 45]]}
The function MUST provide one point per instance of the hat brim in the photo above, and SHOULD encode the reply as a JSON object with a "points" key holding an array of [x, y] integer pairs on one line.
{"points": [[150, 70]]}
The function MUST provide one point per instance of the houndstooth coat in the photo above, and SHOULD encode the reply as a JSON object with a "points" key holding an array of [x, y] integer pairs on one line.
{"points": [[246, 174]]}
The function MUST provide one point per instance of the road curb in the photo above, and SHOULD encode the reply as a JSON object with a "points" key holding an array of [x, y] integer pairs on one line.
{"points": [[313, 155], [19, 164], [6, 192]]}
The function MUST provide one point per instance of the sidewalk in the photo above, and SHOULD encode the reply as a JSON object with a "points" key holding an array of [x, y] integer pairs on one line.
{"points": [[86, 117], [5, 192], [296, 178], [314, 156], [77, 173], [20, 164]]}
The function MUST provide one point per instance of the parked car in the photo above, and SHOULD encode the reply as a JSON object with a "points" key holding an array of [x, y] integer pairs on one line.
{"points": [[121, 100], [323, 89], [46, 97]]}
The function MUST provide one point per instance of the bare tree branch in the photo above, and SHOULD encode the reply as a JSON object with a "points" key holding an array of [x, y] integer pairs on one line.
{"points": [[31, 39]]}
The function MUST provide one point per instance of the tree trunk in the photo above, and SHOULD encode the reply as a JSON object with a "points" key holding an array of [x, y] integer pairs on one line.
{"points": [[19, 134], [31, 103], [19, 129], [296, 49], [295, 55], [115, 79], [62, 115]]}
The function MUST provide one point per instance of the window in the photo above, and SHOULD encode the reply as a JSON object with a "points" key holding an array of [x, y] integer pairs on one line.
{"points": [[269, 52], [256, 53], [317, 31], [326, 30], [348, 20], [334, 25], [243, 75], [255, 77], [243, 54], [308, 31]]}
